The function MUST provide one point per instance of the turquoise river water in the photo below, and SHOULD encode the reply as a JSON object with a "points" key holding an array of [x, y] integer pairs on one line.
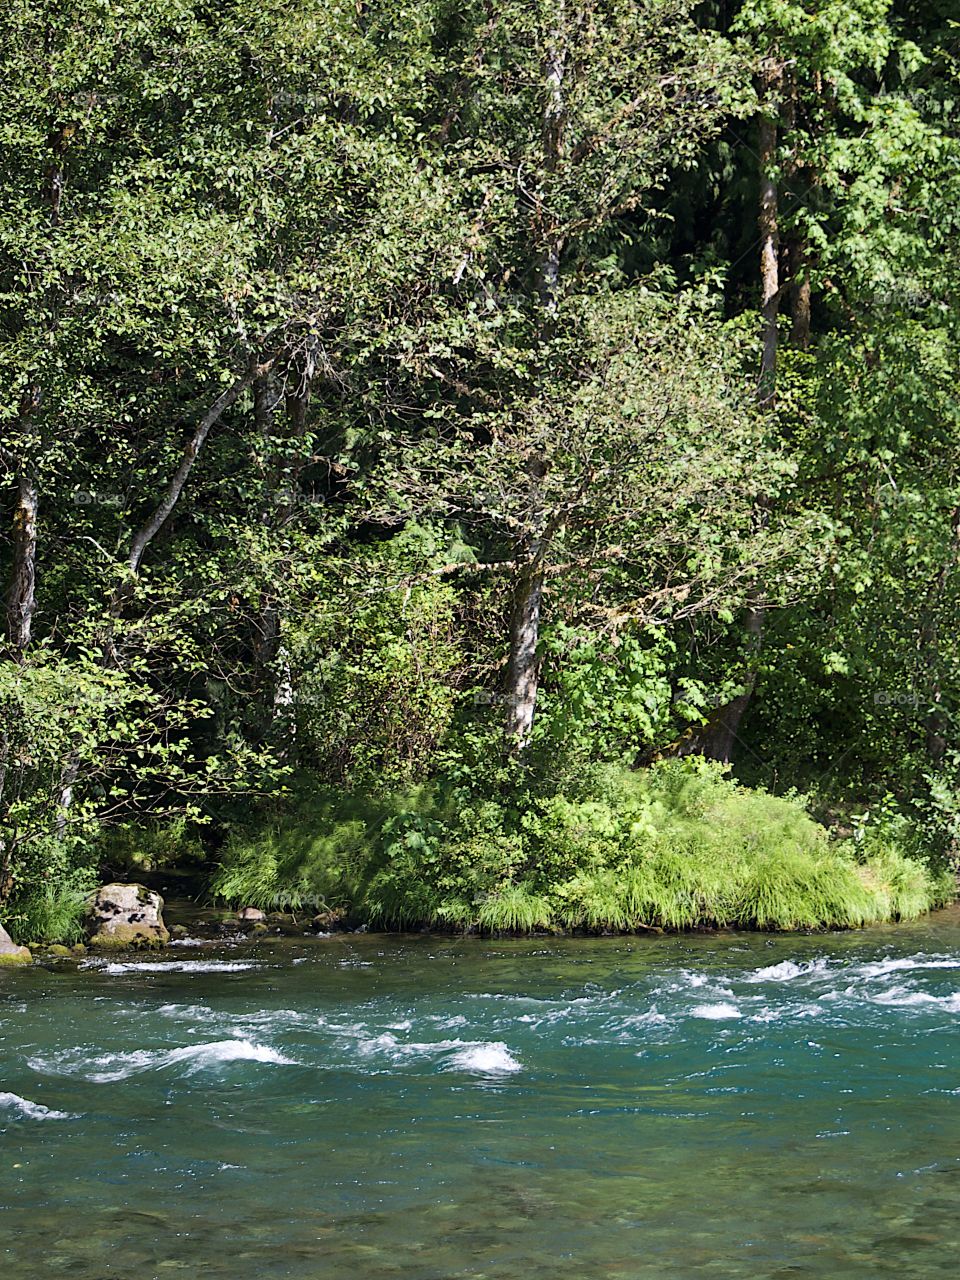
{"points": [[368, 1107]]}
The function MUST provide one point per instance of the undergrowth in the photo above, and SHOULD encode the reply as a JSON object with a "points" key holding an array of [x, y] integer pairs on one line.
{"points": [[50, 913], [677, 846]]}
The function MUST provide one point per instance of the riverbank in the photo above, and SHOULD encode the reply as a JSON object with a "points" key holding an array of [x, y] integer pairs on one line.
{"points": [[676, 847]]}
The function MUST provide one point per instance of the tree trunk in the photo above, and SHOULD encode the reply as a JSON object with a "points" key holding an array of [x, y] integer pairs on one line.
{"points": [[552, 138], [523, 667], [800, 294], [523, 672], [155, 522], [138, 545], [935, 720], [719, 740], [769, 233], [274, 658], [21, 601], [68, 779], [797, 248]]}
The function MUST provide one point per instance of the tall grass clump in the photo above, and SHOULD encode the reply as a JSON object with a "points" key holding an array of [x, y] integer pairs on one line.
{"points": [[514, 909], [891, 864], [318, 856], [48, 899], [50, 913], [676, 846]]}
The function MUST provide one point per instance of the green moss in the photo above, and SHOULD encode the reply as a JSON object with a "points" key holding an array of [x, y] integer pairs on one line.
{"points": [[13, 959], [124, 936]]}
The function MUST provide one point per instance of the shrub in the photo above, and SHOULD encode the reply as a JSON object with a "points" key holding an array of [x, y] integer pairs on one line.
{"points": [[318, 857], [676, 846], [151, 846], [47, 905]]}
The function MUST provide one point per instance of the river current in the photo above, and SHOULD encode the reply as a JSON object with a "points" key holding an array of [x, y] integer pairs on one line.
{"points": [[366, 1106]]}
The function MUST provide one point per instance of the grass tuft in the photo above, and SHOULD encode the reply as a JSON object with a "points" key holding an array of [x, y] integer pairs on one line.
{"points": [[52, 913], [514, 909]]}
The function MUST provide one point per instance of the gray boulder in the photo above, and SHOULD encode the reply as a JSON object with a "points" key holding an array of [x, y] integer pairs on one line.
{"points": [[126, 915], [10, 953]]}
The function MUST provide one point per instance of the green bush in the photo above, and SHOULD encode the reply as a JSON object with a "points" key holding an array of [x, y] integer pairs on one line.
{"points": [[51, 913], [47, 904], [676, 846], [318, 857], [890, 852], [151, 846]]}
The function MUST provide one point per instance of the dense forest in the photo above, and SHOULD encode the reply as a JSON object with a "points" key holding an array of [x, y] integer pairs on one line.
{"points": [[486, 465]]}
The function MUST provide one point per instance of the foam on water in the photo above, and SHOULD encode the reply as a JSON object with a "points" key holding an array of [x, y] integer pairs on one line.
{"points": [[486, 1060], [111, 1067], [457, 1020], [716, 1012], [787, 970], [482, 1057], [778, 1013], [171, 966], [903, 998], [187, 1012], [651, 1018], [24, 1109], [690, 978], [686, 981], [880, 968], [387, 1043]]}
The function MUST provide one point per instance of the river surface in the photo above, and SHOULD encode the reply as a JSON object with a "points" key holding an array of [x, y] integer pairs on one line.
{"points": [[372, 1107]]}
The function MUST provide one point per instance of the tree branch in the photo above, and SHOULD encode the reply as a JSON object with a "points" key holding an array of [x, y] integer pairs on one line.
{"points": [[151, 527]]}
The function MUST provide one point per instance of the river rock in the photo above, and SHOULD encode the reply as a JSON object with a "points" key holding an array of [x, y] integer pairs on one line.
{"points": [[250, 915], [10, 953], [126, 915]]}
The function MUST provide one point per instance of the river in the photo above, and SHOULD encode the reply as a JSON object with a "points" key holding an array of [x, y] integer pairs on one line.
{"points": [[369, 1106]]}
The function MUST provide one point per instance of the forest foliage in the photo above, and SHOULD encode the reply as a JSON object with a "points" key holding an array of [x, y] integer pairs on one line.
{"points": [[401, 398]]}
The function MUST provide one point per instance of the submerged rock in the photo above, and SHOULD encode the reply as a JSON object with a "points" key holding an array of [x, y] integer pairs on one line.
{"points": [[10, 953], [126, 915]]}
